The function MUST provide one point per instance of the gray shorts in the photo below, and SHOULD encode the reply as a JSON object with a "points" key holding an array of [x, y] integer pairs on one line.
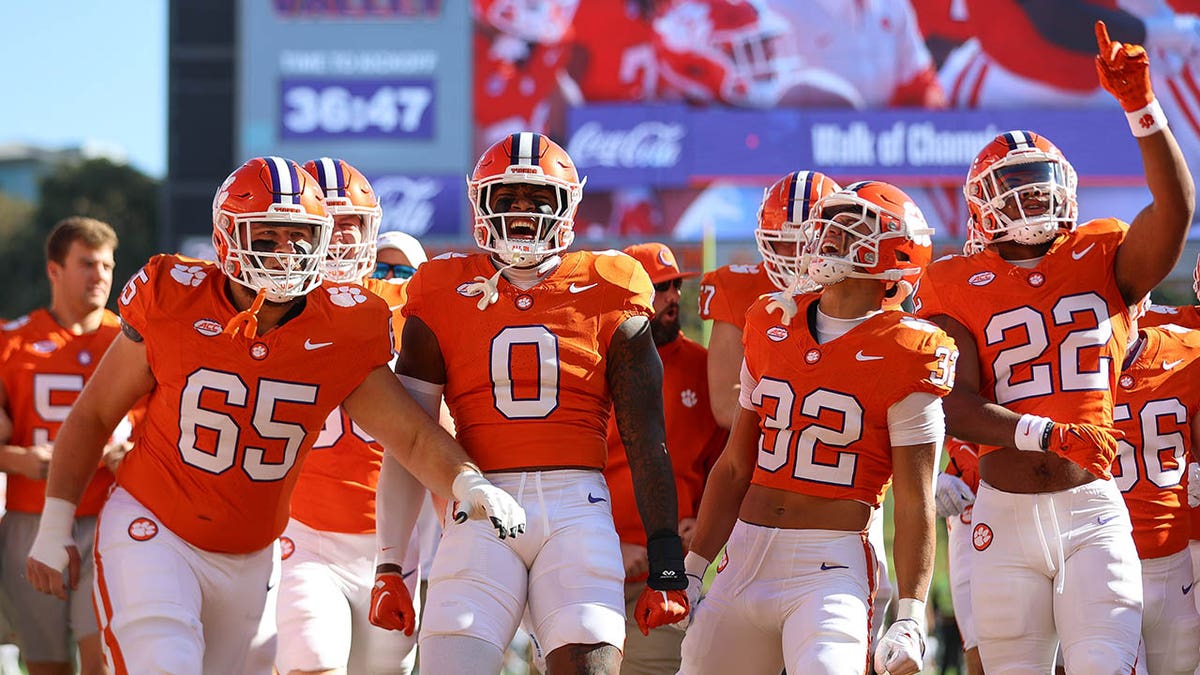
{"points": [[46, 627]]}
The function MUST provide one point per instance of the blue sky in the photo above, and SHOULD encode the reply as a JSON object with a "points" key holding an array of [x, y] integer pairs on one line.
{"points": [[83, 73]]}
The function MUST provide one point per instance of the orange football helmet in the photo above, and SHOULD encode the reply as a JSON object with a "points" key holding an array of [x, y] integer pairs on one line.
{"points": [[348, 192], [868, 230], [780, 234], [275, 190], [734, 51], [532, 159], [1020, 188]]}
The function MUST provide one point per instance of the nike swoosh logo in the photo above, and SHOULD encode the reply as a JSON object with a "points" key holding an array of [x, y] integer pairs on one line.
{"points": [[1079, 254], [594, 500], [826, 567], [1102, 520], [579, 289], [1188, 589], [1167, 365], [863, 357], [310, 345]]}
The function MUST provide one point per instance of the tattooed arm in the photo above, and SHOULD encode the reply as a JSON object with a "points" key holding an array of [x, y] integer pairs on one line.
{"points": [[635, 377]]}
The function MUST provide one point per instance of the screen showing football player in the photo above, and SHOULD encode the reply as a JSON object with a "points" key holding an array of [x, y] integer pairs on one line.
{"points": [[532, 347], [46, 357], [242, 359], [329, 544], [818, 439], [1042, 316], [695, 440]]}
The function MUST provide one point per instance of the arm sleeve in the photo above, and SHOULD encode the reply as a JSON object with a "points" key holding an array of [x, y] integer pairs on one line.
{"points": [[916, 419]]}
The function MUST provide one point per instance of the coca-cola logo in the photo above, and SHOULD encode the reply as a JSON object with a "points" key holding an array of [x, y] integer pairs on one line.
{"points": [[655, 145], [407, 203]]}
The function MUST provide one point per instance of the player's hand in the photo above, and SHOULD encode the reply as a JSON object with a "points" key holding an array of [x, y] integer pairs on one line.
{"points": [[54, 550], [114, 454], [391, 603], [687, 530], [1193, 487], [34, 463], [1124, 71], [478, 498], [660, 608], [902, 649], [637, 565], [952, 495], [695, 584], [1088, 445]]}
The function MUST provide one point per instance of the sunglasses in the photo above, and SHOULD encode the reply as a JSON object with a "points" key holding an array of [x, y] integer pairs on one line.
{"points": [[662, 287], [383, 270]]}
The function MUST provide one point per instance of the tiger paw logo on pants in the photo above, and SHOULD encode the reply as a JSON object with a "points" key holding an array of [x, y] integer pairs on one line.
{"points": [[142, 529]]}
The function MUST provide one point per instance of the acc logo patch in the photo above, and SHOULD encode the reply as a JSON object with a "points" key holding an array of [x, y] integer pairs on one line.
{"points": [[981, 278], [777, 333], [207, 327], [15, 323], [286, 548], [142, 529], [44, 346], [981, 536], [469, 289]]}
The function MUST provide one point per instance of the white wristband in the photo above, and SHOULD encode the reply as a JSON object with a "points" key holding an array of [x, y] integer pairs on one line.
{"points": [[695, 565], [1148, 120], [54, 533], [1030, 429], [911, 608]]}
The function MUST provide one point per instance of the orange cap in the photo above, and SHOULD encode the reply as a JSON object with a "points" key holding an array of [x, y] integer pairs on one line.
{"points": [[659, 262]]}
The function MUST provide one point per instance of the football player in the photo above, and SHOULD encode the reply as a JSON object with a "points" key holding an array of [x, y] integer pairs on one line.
{"points": [[242, 360], [1042, 315], [818, 438], [1158, 410], [329, 544], [46, 357], [695, 440], [532, 347]]}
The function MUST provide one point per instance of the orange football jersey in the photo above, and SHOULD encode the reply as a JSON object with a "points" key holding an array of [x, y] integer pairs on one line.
{"points": [[1158, 395], [43, 367], [693, 438], [336, 488], [525, 377], [231, 419], [727, 292], [963, 461], [823, 407], [1050, 339]]}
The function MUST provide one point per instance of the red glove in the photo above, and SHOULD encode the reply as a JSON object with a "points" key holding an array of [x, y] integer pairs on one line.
{"points": [[1124, 71], [659, 608], [1090, 446], [391, 604]]}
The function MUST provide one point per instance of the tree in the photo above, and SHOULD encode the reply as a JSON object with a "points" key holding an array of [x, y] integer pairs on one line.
{"points": [[118, 194]]}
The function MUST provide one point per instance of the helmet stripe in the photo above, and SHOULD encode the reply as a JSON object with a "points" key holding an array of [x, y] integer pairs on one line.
{"points": [[802, 187], [1018, 140], [331, 177], [524, 148], [284, 180]]}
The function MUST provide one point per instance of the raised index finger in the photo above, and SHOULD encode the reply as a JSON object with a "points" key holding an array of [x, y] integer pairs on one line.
{"points": [[1102, 39]]}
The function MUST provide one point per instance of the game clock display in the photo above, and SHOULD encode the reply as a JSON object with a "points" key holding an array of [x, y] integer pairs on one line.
{"points": [[356, 109]]}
